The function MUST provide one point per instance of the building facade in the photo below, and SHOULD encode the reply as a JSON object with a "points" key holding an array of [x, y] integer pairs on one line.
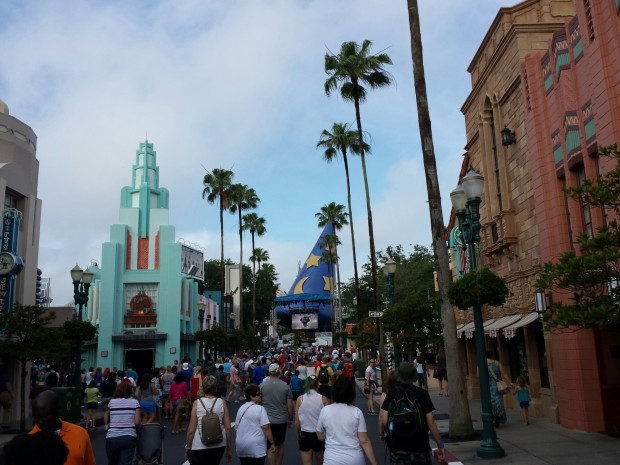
{"points": [[544, 76], [145, 307]]}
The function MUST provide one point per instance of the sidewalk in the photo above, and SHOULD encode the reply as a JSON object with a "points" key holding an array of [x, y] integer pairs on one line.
{"points": [[539, 443]]}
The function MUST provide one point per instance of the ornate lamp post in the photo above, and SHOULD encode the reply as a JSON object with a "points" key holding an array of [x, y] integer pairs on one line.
{"points": [[355, 309], [81, 283], [201, 317], [388, 270], [466, 200]]}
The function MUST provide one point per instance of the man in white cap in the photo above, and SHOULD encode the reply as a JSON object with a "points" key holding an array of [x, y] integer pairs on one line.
{"points": [[406, 419], [187, 371], [278, 402]]}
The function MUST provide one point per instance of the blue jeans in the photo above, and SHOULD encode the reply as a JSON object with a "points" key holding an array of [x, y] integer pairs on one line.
{"points": [[120, 450]]}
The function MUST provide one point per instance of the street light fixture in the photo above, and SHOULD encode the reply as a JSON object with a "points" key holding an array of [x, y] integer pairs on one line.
{"points": [[388, 270], [81, 283], [201, 316], [466, 201]]}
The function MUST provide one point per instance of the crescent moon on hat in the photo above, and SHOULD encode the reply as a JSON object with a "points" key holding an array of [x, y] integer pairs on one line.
{"points": [[299, 287]]}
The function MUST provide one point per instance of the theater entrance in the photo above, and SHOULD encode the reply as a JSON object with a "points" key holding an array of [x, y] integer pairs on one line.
{"points": [[142, 359]]}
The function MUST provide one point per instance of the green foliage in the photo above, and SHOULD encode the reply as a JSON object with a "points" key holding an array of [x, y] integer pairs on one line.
{"points": [[215, 338], [365, 333], [584, 275], [75, 330], [477, 288]]}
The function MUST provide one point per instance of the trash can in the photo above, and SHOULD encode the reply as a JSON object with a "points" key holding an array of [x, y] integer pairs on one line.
{"points": [[70, 400]]}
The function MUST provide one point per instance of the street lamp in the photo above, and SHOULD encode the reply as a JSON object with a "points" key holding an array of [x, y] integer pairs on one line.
{"points": [[355, 309], [81, 283], [466, 200], [388, 270], [201, 316]]}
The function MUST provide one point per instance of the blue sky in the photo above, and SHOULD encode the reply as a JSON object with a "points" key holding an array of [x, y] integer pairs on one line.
{"points": [[231, 84]]}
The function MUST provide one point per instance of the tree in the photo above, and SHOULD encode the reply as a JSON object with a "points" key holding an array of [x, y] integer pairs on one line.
{"points": [[259, 256], [27, 336], [241, 198], [352, 69], [343, 139], [588, 277], [460, 418], [256, 225], [215, 338], [216, 185], [330, 256]]}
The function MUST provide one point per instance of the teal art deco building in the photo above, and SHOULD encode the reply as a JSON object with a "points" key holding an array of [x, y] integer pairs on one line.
{"points": [[144, 296]]}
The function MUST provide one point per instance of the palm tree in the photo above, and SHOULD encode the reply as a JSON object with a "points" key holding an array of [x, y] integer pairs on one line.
{"points": [[343, 139], [256, 225], [217, 183], [352, 69], [349, 71], [258, 256], [242, 198], [330, 256], [460, 418]]}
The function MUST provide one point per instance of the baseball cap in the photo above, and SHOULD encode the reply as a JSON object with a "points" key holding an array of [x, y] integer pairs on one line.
{"points": [[274, 369], [186, 366]]}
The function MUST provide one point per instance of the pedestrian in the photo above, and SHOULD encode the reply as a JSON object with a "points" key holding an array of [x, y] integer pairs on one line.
{"points": [[187, 371], [179, 396], [419, 366], [45, 415], [325, 375], [235, 381], [408, 445], [91, 397], [196, 383], [441, 372], [523, 396], [370, 385], [146, 394], [197, 452], [343, 428], [107, 389], [252, 425], [121, 438], [26, 449], [129, 371], [297, 385], [307, 410], [497, 398], [387, 386], [166, 382], [222, 384], [278, 402]]}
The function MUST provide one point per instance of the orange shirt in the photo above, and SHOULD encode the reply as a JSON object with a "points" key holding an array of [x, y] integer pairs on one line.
{"points": [[77, 441]]}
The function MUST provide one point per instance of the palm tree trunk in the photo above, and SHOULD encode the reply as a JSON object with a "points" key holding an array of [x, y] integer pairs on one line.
{"points": [[356, 277], [222, 248], [240, 270], [253, 282], [460, 418], [371, 238]]}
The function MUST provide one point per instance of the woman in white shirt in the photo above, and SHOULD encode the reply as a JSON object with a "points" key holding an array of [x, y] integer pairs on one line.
{"points": [[343, 428], [196, 452], [307, 410], [253, 428]]}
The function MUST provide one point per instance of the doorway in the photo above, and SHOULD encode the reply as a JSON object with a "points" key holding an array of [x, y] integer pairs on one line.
{"points": [[142, 360]]}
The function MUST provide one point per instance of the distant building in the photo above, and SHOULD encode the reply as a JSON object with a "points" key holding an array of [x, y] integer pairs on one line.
{"points": [[145, 306]]}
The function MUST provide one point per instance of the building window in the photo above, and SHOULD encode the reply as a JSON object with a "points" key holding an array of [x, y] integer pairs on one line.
{"points": [[586, 216], [11, 200], [496, 164], [494, 233], [571, 130], [575, 39], [589, 22]]}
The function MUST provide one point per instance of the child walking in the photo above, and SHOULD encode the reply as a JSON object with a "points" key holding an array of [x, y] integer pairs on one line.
{"points": [[523, 396]]}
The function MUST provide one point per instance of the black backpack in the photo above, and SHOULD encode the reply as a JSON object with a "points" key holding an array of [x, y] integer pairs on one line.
{"points": [[323, 374], [405, 418]]}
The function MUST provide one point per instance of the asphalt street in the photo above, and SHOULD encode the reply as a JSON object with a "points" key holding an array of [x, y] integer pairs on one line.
{"points": [[174, 445]]}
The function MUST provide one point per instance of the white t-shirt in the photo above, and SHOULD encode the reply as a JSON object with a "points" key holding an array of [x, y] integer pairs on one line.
{"points": [[340, 424], [250, 439], [372, 371], [218, 408]]}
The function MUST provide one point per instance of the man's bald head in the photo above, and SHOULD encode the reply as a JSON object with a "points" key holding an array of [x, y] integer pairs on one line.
{"points": [[45, 411]]}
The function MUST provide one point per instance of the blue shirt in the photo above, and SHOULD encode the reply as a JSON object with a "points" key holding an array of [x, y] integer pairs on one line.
{"points": [[258, 375], [297, 384], [227, 366]]}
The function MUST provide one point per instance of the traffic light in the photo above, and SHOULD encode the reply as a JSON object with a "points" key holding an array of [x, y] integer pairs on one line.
{"points": [[39, 297]]}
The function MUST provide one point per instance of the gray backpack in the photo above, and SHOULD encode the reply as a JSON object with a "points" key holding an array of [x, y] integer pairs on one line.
{"points": [[210, 429]]}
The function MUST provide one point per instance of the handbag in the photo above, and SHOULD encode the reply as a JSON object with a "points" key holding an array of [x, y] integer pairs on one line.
{"points": [[366, 390], [502, 386]]}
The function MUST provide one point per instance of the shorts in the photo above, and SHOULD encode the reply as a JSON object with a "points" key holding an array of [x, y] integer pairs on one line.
{"points": [[442, 374], [278, 431], [296, 394], [401, 457], [148, 406], [105, 401], [325, 390], [524, 404], [310, 442], [92, 405]]}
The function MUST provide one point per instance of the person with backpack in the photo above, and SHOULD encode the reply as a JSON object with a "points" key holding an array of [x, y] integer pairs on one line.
{"points": [[346, 369], [325, 375], [209, 434], [406, 418]]}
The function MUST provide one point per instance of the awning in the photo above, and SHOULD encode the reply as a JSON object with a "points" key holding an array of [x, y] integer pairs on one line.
{"points": [[463, 328], [494, 328], [469, 333], [509, 331]]}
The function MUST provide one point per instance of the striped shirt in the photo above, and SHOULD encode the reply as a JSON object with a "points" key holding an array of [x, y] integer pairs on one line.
{"points": [[122, 414]]}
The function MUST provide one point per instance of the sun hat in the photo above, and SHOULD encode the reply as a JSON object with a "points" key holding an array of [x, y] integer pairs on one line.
{"points": [[405, 373], [185, 366], [274, 369]]}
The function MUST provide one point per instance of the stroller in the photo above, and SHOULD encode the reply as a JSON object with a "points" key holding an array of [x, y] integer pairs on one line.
{"points": [[150, 447]]}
